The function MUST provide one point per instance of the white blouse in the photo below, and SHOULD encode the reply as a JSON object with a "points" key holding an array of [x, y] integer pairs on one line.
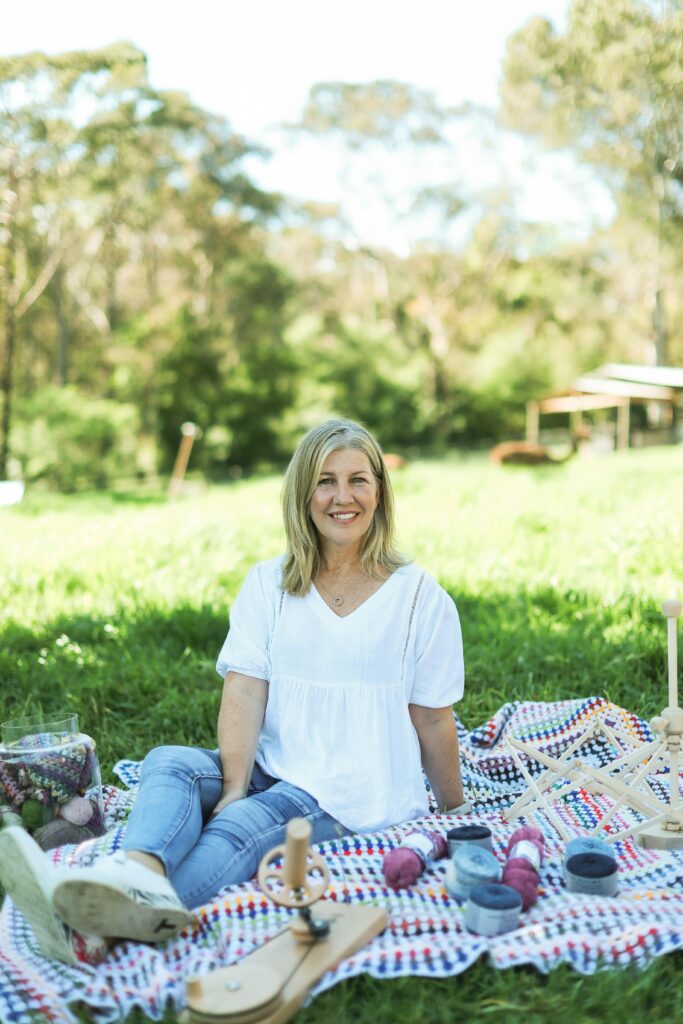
{"points": [[337, 722]]}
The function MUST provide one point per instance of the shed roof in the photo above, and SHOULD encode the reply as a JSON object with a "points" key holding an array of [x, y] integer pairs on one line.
{"points": [[594, 385], [615, 384], [660, 376]]}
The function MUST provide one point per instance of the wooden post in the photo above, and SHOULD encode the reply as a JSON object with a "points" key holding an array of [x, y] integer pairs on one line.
{"points": [[188, 431], [672, 609], [673, 424], [623, 424], [532, 422]]}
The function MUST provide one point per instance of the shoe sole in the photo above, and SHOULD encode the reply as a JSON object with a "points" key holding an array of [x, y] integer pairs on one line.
{"points": [[93, 906], [22, 876]]}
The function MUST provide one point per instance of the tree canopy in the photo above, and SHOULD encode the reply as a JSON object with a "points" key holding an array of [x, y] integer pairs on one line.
{"points": [[147, 280]]}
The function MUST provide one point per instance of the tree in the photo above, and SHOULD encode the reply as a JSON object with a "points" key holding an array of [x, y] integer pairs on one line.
{"points": [[394, 113], [234, 376], [123, 204], [611, 87], [38, 151]]}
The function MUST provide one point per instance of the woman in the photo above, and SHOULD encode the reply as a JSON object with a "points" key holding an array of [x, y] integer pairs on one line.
{"points": [[340, 669]]}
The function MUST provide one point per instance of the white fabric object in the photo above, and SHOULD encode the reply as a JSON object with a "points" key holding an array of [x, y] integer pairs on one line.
{"points": [[337, 723], [11, 492]]}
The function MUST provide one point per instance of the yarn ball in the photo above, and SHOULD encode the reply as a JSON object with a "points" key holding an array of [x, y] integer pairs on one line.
{"points": [[440, 845], [402, 868], [524, 881], [58, 833], [519, 872], [96, 825], [529, 834], [57, 770], [494, 896], [77, 811], [8, 783], [588, 844], [468, 833], [469, 866], [520, 864], [32, 814], [90, 772], [591, 865]]}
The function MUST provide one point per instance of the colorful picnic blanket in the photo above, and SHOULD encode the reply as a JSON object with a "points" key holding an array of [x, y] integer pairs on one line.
{"points": [[426, 935]]}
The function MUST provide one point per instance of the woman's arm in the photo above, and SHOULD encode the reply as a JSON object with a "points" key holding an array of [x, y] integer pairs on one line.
{"points": [[240, 718], [440, 753]]}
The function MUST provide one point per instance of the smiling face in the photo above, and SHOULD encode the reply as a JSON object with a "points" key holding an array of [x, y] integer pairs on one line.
{"points": [[344, 500]]}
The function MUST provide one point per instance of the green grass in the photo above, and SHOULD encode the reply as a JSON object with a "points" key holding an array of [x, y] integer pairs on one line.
{"points": [[115, 606]]}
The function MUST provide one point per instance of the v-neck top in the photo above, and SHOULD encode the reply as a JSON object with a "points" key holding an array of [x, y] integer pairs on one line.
{"points": [[337, 723]]}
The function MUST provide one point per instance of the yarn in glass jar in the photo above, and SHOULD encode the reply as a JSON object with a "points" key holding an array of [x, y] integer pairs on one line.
{"points": [[50, 780]]}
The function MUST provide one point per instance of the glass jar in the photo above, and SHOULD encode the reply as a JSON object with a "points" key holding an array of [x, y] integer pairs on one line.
{"points": [[50, 781]]}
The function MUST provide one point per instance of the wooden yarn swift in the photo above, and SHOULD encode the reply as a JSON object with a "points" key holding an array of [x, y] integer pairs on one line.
{"points": [[271, 983], [628, 778]]}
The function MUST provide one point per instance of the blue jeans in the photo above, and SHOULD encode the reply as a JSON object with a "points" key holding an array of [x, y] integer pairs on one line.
{"points": [[179, 787]]}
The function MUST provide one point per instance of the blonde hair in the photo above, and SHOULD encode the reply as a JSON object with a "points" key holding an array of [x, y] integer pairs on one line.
{"points": [[378, 555]]}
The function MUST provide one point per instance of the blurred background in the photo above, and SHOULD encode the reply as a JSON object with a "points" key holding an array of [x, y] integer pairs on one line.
{"points": [[425, 217]]}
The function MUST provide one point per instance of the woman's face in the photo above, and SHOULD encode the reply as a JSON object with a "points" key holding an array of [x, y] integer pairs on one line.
{"points": [[345, 499]]}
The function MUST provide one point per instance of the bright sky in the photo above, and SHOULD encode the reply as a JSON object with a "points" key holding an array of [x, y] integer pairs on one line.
{"points": [[255, 60]]}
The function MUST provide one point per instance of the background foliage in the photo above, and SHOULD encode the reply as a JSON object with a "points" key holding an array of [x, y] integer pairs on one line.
{"points": [[141, 265]]}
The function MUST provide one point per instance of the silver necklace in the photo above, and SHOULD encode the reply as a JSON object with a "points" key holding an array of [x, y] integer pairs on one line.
{"points": [[338, 601]]}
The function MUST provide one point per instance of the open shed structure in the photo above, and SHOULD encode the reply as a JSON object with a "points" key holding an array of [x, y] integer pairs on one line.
{"points": [[618, 386]]}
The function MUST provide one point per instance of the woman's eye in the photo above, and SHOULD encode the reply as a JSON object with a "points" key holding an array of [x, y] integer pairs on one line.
{"points": [[327, 481]]}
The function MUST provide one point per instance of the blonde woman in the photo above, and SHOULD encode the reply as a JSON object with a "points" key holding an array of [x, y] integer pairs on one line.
{"points": [[341, 667]]}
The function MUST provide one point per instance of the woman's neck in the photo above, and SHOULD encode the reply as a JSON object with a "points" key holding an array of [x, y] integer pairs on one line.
{"points": [[339, 563]]}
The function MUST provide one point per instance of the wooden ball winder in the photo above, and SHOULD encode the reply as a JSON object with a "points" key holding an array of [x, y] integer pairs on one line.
{"points": [[270, 984]]}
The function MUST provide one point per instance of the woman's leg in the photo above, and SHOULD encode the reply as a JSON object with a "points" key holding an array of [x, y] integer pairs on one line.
{"points": [[179, 787], [178, 790], [232, 844], [120, 895]]}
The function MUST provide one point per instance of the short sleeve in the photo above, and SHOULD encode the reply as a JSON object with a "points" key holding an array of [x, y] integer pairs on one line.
{"points": [[252, 618], [439, 670]]}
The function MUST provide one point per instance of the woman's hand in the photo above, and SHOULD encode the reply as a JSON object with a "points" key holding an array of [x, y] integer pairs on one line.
{"points": [[227, 797]]}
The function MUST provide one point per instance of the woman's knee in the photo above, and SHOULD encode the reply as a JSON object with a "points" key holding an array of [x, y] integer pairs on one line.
{"points": [[173, 759]]}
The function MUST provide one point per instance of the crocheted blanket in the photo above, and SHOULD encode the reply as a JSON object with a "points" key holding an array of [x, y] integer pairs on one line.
{"points": [[426, 935]]}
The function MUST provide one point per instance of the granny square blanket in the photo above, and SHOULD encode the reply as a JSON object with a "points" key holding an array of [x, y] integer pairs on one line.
{"points": [[426, 935]]}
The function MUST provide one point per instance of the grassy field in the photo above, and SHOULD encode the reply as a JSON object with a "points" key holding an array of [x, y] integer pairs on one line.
{"points": [[115, 606]]}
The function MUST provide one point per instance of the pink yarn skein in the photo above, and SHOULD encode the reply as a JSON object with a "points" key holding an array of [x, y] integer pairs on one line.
{"points": [[520, 871], [404, 865]]}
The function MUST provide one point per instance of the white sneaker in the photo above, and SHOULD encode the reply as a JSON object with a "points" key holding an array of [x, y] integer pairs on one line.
{"points": [[121, 898], [28, 876]]}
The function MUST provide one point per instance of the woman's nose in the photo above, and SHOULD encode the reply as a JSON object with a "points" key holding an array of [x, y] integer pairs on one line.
{"points": [[343, 494]]}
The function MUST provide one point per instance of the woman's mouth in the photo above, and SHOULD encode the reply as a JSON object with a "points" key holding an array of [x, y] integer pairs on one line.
{"points": [[344, 517]]}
